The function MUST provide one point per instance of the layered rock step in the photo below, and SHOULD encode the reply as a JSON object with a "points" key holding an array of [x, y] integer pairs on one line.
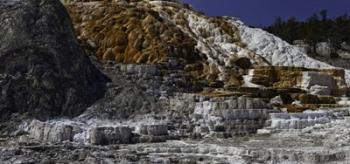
{"points": [[314, 81], [69, 131], [299, 121], [304, 146], [221, 116], [199, 116], [152, 133]]}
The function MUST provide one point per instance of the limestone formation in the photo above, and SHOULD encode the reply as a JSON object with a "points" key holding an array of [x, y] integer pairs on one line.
{"points": [[227, 116], [138, 32], [183, 88]]}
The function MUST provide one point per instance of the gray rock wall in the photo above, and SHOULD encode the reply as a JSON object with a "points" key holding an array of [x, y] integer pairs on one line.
{"points": [[44, 72]]}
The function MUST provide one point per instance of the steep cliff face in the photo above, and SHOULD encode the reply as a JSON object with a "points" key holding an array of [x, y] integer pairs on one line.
{"points": [[43, 71]]}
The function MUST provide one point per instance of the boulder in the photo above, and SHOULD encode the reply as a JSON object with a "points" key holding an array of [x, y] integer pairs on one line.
{"points": [[44, 72], [110, 135]]}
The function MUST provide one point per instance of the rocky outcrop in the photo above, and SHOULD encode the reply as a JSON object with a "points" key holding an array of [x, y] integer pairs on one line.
{"points": [[315, 81], [44, 73]]}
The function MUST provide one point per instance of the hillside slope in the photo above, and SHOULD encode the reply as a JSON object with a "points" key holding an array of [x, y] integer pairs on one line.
{"points": [[44, 73], [164, 84], [152, 31], [277, 51]]}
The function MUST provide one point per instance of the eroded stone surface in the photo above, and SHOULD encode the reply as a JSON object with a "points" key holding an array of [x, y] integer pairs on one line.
{"points": [[44, 72]]}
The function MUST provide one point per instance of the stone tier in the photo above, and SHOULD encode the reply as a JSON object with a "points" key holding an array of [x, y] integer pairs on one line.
{"points": [[222, 116], [314, 81]]}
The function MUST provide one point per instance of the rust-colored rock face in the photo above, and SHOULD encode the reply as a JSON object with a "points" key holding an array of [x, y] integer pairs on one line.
{"points": [[134, 33], [278, 77], [129, 34]]}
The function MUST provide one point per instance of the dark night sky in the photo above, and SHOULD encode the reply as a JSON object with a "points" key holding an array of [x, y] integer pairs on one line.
{"points": [[264, 12]]}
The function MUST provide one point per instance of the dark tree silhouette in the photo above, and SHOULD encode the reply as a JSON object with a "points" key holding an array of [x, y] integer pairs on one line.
{"points": [[316, 28]]}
